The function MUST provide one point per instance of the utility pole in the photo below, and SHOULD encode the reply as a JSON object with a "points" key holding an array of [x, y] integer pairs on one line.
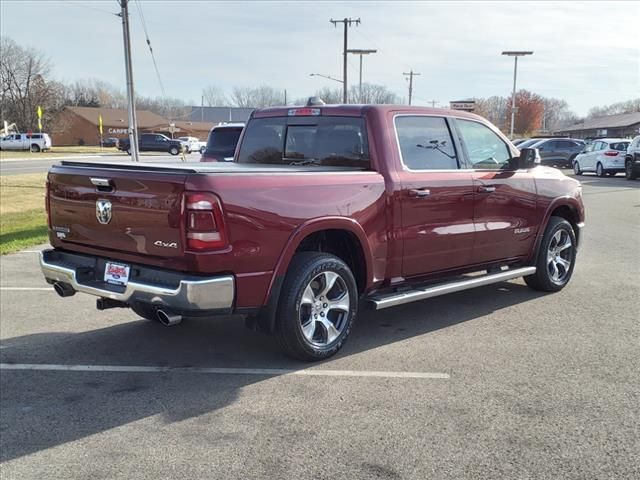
{"points": [[411, 74], [347, 23], [202, 108], [131, 102], [515, 55], [433, 103]]}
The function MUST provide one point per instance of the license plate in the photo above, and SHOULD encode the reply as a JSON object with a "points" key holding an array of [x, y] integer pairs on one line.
{"points": [[116, 273]]}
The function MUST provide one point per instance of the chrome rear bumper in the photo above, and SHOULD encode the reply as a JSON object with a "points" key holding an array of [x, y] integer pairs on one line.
{"points": [[190, 294]]}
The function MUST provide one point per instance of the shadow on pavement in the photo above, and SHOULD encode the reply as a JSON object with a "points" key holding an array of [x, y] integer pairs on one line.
{"points": [[43, 409]]}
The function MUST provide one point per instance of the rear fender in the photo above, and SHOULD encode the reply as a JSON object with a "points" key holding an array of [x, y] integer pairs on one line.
{"points": [[267, 315]]}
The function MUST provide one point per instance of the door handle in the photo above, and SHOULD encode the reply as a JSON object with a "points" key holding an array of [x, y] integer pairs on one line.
{"points": [[419, 192], [486, 189]]}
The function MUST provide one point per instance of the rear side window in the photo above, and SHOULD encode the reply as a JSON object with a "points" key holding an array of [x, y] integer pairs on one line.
{"points": [[314, 140], [425, 143], [486, 150], [619, 146]]}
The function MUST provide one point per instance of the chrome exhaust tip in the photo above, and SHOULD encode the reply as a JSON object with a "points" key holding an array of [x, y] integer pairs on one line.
{"points": [[64, 289], [168, 319]]}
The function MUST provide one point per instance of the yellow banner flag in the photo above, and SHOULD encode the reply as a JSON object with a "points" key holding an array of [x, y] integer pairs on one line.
{"points": [[39, 113], [39, 124], [100, 123]]}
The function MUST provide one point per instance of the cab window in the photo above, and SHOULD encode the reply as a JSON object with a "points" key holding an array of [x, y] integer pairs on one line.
{"points": [[425, 143], [485, 149]]}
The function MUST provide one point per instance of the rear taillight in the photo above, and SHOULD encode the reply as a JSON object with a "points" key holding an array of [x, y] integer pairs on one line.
{"points": [[47, 207], [204, 222], [611, 153]]}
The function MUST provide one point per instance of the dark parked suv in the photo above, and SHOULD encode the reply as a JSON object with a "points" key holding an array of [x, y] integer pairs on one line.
{"points": [[222, 141], [153, 142], [558, 152]]}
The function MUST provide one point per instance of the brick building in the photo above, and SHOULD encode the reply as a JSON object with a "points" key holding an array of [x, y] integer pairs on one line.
{"points": [[614, 126]]}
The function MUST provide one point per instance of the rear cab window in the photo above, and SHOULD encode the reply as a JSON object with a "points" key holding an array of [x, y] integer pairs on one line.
{"points": [[619, 146], [223, 138], [306, 140]]}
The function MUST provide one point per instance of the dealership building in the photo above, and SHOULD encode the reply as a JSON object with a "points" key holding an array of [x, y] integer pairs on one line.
{"points": [[80, 125], [624, 125]]}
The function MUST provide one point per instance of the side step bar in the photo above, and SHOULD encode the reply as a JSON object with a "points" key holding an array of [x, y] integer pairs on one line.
{"points": [[393, 299]]}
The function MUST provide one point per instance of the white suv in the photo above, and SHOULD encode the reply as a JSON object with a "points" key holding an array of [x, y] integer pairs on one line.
{"points": [[193, 144], [605, 156]]}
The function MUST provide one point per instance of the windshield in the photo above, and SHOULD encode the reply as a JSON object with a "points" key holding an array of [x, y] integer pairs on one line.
{"points": [[314, 140]]}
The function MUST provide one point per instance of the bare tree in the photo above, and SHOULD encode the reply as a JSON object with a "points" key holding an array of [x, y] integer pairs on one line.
{"points": [[24, 85], [214, 97], [263, 96], [372, 94], [627, 106], [493, 109]]}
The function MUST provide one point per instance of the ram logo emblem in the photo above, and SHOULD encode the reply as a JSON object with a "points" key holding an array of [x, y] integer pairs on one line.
{"points": [[103, 211]]}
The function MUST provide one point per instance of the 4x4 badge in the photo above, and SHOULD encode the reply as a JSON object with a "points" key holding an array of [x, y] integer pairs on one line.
{"points": [[103, 211]]}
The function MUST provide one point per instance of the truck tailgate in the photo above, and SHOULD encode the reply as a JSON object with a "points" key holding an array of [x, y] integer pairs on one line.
{"points": [[116, 209]]}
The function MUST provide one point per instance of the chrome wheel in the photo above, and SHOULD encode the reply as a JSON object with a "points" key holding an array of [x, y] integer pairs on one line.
{"points": [[599, 170], [559, 256], [576, 168], [324, 308]]}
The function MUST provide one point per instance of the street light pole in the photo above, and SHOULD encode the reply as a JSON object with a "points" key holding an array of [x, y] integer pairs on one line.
{"points": [[133, 128], [361, 52], [514, 54], [326, 76], [347, 23]]}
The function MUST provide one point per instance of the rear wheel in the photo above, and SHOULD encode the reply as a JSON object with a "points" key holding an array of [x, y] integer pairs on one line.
{"points": [[173, 150], [317, 306], [202, 149], [628, 171], [35, 147], [600, 171], [556, 257]]}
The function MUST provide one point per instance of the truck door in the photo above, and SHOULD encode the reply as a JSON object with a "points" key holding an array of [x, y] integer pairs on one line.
{"points": [[436, 197], [505, 215]]}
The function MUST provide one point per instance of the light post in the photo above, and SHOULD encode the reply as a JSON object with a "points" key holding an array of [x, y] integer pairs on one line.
{"points": [[361, 52], [515, 54]]}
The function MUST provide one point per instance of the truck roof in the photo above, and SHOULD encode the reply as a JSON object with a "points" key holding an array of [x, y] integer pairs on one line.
{"points": [[357, 110]]}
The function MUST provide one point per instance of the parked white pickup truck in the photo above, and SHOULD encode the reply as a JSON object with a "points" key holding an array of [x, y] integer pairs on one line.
{"points": [[193, 144], [35, 142]]}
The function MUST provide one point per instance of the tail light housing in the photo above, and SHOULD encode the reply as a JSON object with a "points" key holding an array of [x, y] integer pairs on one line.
{"points": [[204, 222], [611, 153], [47, 197]]}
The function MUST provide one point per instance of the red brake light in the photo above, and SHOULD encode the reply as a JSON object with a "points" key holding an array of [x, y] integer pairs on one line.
{"points": [[301, 112], [47, 199], [204, 222], [611, 153]]}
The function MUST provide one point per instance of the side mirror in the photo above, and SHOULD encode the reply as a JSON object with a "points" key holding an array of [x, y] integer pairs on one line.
{"points": [[529, 158]]}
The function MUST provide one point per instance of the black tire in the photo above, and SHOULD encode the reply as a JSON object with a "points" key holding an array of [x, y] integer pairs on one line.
{"points": [[173, 150], [145, 311], [544, 279], [628, 171], [128, 150], [35, 148], [600, 171], [202, 150], [576, 168], [304, 270]]}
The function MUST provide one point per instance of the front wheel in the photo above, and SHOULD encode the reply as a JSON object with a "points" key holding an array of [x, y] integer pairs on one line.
{"points": [[317, 307], [202, 149], [576, 168], [174, 150], [628, 171], [35, 148], [556, 257]]}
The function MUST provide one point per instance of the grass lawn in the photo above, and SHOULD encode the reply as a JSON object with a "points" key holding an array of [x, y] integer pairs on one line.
{"points": [[56, 152], [23, 221]]}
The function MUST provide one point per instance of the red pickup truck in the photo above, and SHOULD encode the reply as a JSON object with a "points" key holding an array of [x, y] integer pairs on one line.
{"points": [[324, 208]]}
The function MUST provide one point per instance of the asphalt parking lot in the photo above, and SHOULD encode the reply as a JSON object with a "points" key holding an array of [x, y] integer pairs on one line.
{"points": [[497, 382]]}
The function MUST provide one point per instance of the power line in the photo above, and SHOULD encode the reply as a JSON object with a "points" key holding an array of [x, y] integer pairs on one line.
{"points": [[90, 7], [153, 57]]}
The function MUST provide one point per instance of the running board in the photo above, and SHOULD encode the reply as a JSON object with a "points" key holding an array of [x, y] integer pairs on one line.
{"points": [[393, 299]]}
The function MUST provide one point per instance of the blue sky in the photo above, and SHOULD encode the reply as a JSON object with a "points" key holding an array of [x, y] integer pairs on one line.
{"points": [[585, 52]]}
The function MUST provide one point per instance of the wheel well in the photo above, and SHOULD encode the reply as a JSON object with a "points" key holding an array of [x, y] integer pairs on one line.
{"points": [[570, 215], [344, 245]]}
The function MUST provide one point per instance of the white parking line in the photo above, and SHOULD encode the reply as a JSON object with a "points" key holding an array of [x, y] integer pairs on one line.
{"points": [[222, 371], [18, 289]]}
